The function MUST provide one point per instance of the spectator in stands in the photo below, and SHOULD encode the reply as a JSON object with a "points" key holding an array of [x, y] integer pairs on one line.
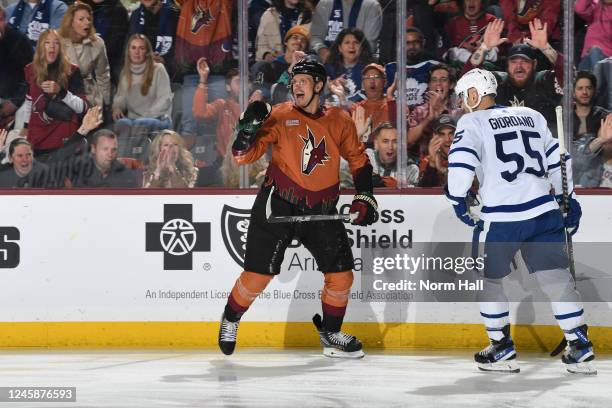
{"points": [[438, 101], [144, 100], [418, 63], [419, 14], [157, 20], [55, 100], [434, 165], [102, 169], [593, 159], [519, 15], [598, 41], [374, 110], [224, 111], [266, 74], [603, 73], [383, 157], [86, 50], [230, 171], [25, 172], [204, 31], [522, 84], [349, 54], [587, 116], [110, 18], [15, 54], [33, 17], [170, 164], [464, 32], [332, 16], [275, 23], [256, 8]]}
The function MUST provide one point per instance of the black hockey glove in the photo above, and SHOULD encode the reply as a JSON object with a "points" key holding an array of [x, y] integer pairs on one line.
{"points": [[249, 123]]}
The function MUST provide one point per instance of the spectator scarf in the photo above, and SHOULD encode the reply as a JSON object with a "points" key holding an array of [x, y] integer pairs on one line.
{"points": [[165, 35], [288, 19], [40, 20], [336, 20]]}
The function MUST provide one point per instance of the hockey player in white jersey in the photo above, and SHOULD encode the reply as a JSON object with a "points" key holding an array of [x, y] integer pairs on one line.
{"points": [[516, 160]]}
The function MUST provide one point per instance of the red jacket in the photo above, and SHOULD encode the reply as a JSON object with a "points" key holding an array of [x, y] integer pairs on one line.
{"points": [[225, 111], [47, 133]]}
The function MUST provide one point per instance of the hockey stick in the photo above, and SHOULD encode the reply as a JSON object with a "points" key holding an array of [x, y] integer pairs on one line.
{"points": [[306, 217], [564, 209]]}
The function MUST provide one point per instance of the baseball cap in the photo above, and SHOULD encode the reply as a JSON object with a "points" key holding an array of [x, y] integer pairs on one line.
{"points": [[300, 30], [444, 120], [375, 66], [522, 50]]}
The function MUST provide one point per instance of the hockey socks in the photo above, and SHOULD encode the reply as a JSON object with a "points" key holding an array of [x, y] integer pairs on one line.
{"points": [[246, 289], [335, 298]]}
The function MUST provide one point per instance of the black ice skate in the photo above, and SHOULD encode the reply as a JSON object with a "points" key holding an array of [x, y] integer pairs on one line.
{"points": [[338, 344], [579, 353], [499, 355], [228, 331]]}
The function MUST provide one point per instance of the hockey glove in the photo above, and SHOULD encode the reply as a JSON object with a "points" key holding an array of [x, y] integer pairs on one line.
{"points": [[249, 123], [365, 205], [462, 210], [572, 218]]}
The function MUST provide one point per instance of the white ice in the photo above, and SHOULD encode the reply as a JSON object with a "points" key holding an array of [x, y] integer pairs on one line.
{"points": [[300, 378]]}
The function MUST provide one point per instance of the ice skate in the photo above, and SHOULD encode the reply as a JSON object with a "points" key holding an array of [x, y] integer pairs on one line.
{"points": [[228, 331], [578, 354], [338, 344], [499, 355]]}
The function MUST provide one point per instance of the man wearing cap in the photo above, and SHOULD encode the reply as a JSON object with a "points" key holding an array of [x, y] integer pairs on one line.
{"points": [[434, 166], [266, 74], [522, 84], [374, 110]]}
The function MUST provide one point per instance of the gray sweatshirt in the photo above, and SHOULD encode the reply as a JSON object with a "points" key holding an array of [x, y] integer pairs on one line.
{"points": [[156, 104]]}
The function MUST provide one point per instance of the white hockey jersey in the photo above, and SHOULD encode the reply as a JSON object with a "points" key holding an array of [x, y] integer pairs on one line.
{"points": [[516, 160]]}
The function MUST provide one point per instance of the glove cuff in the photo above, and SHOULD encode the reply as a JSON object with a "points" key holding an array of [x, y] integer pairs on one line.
{"points": [[368, 198]]}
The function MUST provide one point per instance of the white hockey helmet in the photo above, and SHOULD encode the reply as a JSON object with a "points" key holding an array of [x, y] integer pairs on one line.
{"points": [[482, 80]]}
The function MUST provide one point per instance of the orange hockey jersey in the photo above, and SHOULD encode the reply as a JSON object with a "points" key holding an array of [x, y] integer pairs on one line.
{"points": [[306, 152]]}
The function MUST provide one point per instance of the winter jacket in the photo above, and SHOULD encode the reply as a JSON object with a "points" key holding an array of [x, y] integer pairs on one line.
{"points": [[90, 56]]}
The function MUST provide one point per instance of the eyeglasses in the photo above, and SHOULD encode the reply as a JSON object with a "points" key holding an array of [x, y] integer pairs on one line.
{"points": [[372, 77]]}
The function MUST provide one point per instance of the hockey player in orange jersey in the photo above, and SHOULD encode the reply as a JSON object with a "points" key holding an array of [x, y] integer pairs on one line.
{"points": [[303, 178]]}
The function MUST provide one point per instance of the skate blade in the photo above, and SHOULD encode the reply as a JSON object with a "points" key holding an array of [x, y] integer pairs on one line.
{"points": [[335, 353], [585, 368], [500, 366]]}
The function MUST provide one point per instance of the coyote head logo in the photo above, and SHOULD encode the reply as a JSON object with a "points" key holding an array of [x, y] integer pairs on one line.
{"points": [[313, 155]]}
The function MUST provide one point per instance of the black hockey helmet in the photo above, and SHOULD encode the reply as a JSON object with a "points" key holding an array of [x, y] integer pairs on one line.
{"points": [[309, 67]]}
